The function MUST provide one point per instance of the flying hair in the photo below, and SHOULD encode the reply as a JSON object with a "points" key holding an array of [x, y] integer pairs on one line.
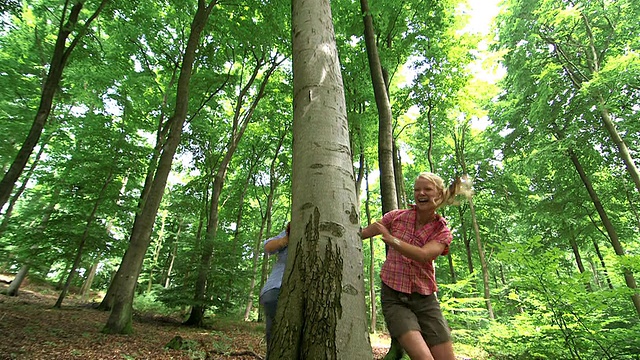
{"points": [[461, 186]]}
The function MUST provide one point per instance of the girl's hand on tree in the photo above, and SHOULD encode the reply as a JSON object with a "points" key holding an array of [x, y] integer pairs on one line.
{"points": [[386, 235]]}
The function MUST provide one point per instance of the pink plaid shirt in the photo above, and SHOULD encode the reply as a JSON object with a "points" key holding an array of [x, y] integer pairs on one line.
{"points": [[398, 271]]}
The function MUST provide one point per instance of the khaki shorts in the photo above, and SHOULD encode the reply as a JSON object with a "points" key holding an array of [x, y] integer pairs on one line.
{"points": [[406, 312]]}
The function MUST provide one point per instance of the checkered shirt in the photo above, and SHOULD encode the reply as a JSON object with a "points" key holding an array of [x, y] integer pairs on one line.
{"points": [[398, 271]]}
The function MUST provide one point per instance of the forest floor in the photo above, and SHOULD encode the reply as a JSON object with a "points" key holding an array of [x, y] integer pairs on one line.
{"points": [[31, 329]]}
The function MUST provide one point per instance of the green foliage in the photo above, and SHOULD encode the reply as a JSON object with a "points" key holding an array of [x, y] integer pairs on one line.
{"points": [[557, 318], [147, 302]]}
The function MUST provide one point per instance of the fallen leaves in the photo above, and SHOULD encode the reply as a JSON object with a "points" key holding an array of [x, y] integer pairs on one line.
{"points": [[31, 329]]}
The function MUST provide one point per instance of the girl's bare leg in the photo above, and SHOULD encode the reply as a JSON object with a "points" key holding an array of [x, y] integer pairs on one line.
{"points": [[414, 345]]}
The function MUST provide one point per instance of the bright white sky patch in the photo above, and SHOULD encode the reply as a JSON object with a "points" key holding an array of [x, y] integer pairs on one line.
{"points": [[482, 13]]}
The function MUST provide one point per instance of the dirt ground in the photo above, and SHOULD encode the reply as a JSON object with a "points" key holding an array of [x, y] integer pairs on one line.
{"points": [[31, 329]]}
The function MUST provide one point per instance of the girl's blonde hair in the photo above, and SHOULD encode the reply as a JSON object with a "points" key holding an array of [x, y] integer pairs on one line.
{"points": [[460, 186]]}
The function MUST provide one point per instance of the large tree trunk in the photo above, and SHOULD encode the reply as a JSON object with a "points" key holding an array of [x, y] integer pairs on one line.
{"points": [[321, 310], [606, 222], [161, 135], [58, 62], [127, 275]]}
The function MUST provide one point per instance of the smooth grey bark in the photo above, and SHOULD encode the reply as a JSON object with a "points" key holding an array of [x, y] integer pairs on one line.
{"points": [[321, 310]]}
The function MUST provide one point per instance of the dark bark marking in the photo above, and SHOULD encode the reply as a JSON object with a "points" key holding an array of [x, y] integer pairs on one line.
{"points": [[353, 215]]}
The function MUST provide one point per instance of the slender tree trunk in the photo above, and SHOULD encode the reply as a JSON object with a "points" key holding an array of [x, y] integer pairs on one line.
{"points": [[452, 271], [466, 239], [361, 161], [127, 276], [166, 278], [594, 271], [623, 150], [399, 178], [388, 191], [483, 262], [613, 235], [459, 139], [372, 257], [156, 250], [86, 286], [385, 119], [432, 167], [172, 259], [15, 285], [579, 77], [576, 254], [265, 228], [83, 240], [254, 272], [273, 185]]}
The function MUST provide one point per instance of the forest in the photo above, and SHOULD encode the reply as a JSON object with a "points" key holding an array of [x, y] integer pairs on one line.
{"points": [[149, 148]]}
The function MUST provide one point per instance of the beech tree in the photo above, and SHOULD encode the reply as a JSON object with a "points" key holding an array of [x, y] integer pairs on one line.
{"points": [[321, 309]]}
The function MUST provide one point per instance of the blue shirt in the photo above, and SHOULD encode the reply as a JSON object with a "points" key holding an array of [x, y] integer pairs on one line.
{"points": [[274, 281]]}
